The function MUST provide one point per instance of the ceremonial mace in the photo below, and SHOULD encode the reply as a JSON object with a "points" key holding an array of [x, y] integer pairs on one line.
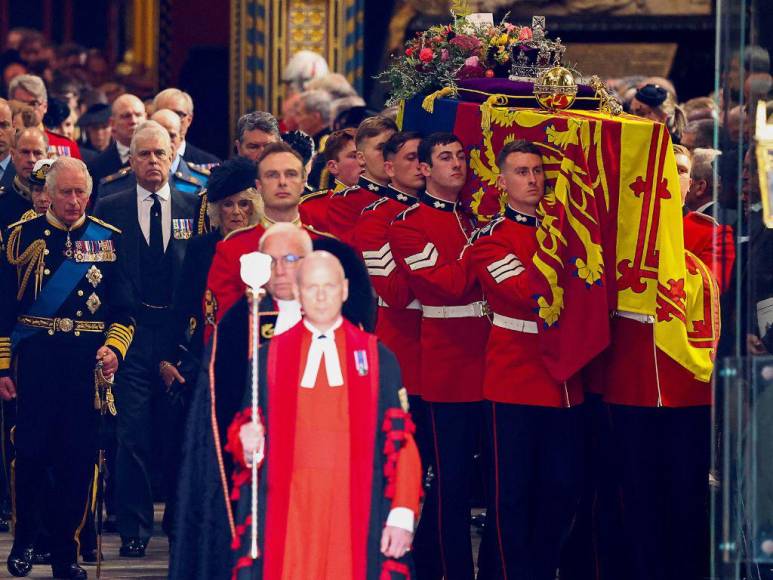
{"points": [[255, 272], [104, 402]]}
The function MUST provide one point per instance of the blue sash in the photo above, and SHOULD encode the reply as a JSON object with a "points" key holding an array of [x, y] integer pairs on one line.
{"points": [[59, 286]]}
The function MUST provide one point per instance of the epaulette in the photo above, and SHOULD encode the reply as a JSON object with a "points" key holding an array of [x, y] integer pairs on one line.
{"points": [[24, 219], [229, 235], [117, 175], [313, 195], [374, 205], [404, 214], [199, 168], [104, 224], [488, 229], [188, 178], [314, 230], [706, 217]]}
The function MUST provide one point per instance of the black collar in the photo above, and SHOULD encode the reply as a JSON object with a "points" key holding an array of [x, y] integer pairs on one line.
{"points": [[521, 218], [398, 195], [371, 186], [435, 202]]}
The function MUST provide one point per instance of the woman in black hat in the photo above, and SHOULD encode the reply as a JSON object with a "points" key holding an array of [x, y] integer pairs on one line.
{"points": [[656, 103]]}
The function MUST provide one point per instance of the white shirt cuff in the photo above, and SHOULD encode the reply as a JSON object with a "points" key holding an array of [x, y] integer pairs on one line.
{"points": [[401, 517]]}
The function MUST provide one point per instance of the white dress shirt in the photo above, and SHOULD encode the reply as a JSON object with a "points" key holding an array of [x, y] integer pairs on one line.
{"points": [[181, 150], [145, 202], [123, 152], [289, 315]]}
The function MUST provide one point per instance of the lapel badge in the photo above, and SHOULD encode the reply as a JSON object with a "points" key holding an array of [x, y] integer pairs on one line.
{"points": [[93, 303], [182, 229], [361, 362], [94, 276]]}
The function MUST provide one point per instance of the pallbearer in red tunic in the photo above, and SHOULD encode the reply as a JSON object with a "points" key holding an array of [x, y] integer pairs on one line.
{"points": [[427, 241], [340, 485], [534, 421], [280, 180], [345, 207]]}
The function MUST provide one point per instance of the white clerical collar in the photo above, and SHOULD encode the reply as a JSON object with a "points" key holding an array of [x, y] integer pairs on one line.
{"points": [[123, 152], [322, 345], [289, 315], [143, 194]]}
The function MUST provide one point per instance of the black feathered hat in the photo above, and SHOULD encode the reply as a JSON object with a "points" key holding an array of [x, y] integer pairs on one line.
{"points": [[231, 177], [301, 142], [57, 112], [651, 95]]}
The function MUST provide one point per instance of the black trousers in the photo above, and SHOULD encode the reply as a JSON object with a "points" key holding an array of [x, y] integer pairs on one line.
{"points": [[664, 456], [55, 437], [138, 386], [442, 548], [535, 483], [595, 547]]}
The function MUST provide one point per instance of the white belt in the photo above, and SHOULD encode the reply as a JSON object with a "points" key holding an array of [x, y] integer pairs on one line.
{"points": [[414, 305], [474, 310], [643, 318], [516, 324]]}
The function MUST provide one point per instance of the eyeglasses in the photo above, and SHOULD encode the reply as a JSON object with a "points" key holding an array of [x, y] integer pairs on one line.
{"points": [[286, 260], [145, 154]]}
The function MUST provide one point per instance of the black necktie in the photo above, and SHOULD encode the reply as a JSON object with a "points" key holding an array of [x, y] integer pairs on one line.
{"points": [[156, 233]]}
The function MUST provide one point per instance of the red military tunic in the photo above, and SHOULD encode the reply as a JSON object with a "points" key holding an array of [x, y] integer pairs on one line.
{"points": [[224, 281], [515, 374], [314, 206], [61, 146], [427, 241], [712, 243], [399, 313], [639, 374], [345, 207]]}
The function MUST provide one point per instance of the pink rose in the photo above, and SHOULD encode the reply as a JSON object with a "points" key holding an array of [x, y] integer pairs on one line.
{"points": [[426, 54], [444, 55], [473, 61], [509, 27], [525, 33], [466, 42]]}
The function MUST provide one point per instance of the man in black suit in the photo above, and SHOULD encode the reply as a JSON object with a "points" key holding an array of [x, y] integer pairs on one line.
{"points": [[157, 222], [7, 172], [28, 147], [126, 114], [181, 103]]}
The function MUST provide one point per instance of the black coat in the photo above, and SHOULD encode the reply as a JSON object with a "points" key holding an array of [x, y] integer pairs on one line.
{"points": [[12, 206], [198, 156], [7, 180], [120, 210], [104, 164]]}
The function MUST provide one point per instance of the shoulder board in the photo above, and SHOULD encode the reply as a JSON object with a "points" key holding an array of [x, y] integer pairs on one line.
{"points": [[314, 230], [104, 224], [314, 194], [26, 217], [488, 229], [404, 214], [193, 180], [199, 168], [239, 231], [117, 175], [704, 217], [374, 205]]}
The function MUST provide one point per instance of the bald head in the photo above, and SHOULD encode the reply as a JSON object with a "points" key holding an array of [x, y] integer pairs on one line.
{"points": [[322, 289], [126, 113], [171, 122]]}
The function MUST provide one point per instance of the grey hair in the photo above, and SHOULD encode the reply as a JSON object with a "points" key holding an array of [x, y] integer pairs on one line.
{"points": [[30, 83], [257, 120], [304, 66], [287, 229], [150, 128], [334, 83], [318, 102], [67, 163], [213, 208], [173, 92], [702, 164]]}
